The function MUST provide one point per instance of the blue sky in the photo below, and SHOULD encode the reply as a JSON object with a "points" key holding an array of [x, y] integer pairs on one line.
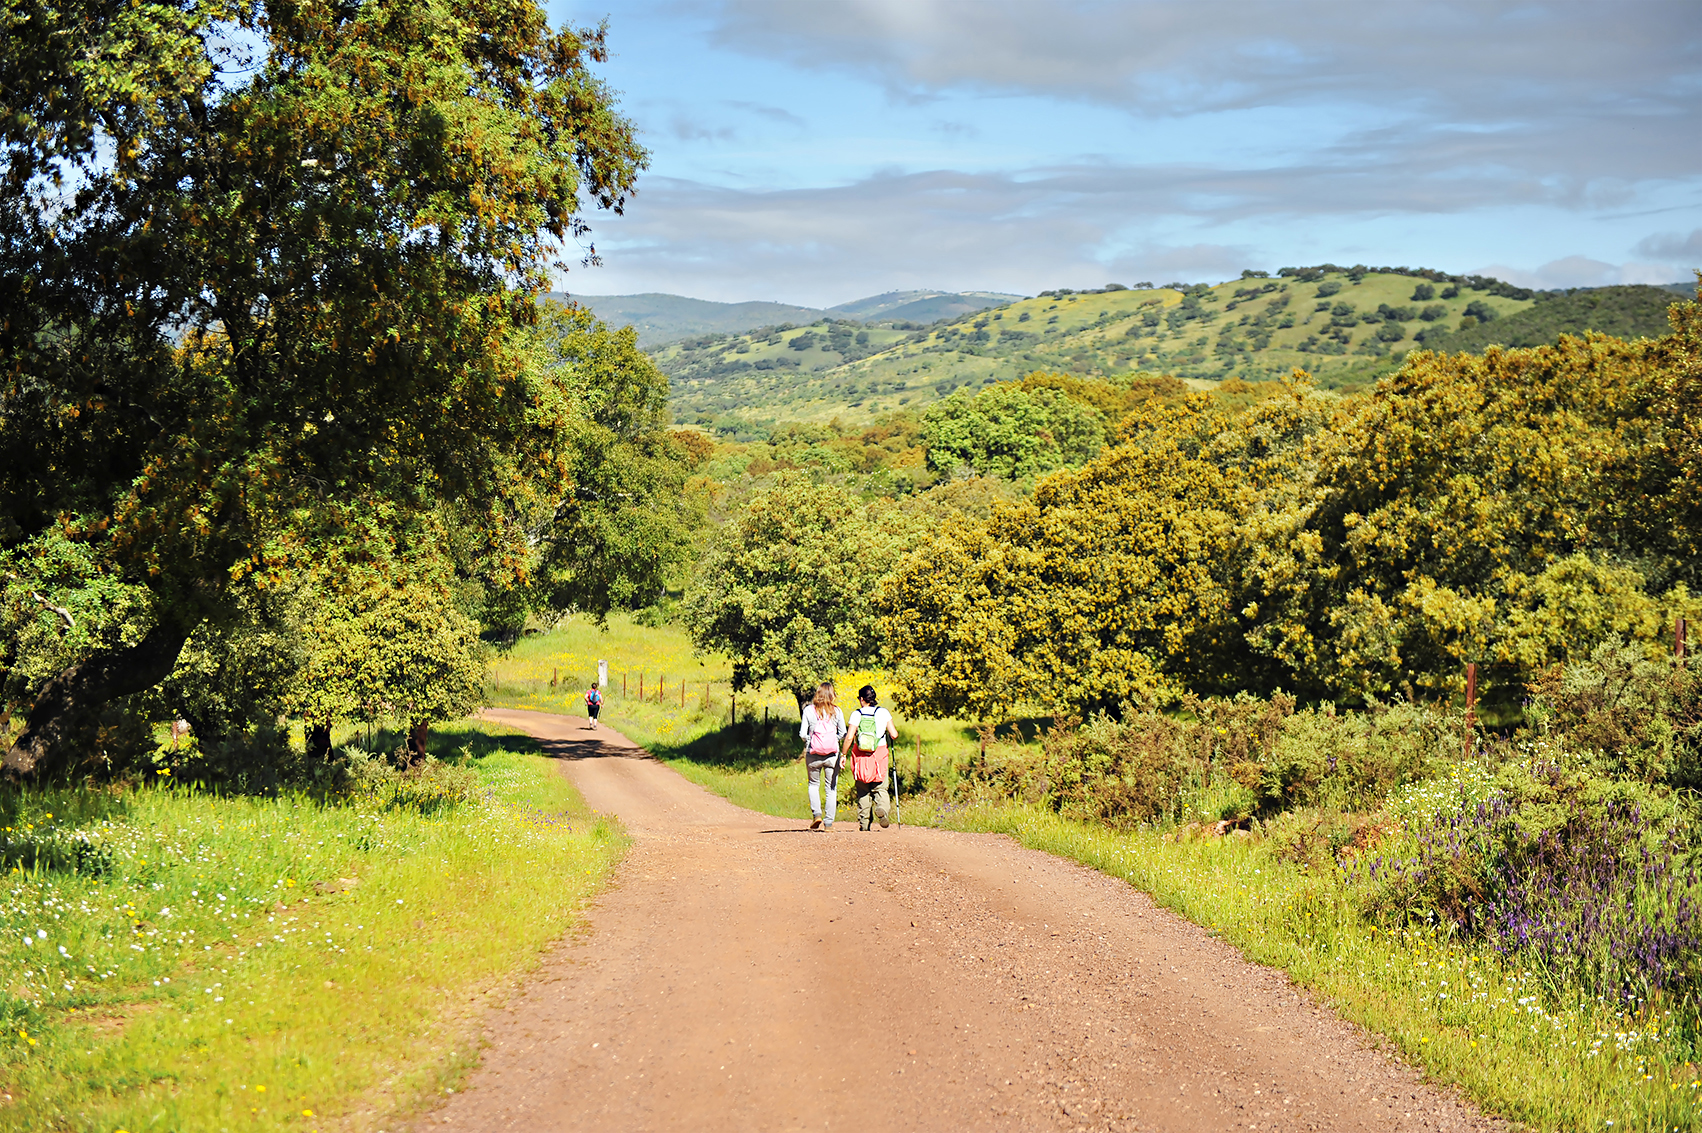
{"points": [[818, 152]]}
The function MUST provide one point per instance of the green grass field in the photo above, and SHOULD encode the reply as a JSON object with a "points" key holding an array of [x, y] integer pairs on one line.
{"points": [[1499, 1031], [179, 959]]}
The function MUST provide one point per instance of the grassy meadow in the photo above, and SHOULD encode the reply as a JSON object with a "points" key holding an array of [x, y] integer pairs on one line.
{"points": [[1511, 1037], [185, 959]]}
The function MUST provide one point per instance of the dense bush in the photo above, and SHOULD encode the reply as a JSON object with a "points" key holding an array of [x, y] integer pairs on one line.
{"points": [[1630, 716]]}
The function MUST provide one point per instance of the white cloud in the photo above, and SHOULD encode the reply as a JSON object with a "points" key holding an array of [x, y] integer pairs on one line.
{"points": [[1581, 271], [1592, 77], [1673, 248]]}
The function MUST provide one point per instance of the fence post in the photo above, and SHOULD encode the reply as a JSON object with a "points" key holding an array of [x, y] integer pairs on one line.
{"points": [[553, 672], [918, 762], [623, 684], [1678, 642], [1471, 704]]}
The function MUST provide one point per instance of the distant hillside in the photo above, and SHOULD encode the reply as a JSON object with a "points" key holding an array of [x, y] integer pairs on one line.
{"points": [[664, 318], [1636, 311], [1344, 326], [921, 306]]}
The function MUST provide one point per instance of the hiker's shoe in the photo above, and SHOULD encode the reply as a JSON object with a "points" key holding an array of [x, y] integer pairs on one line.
{"points": [[815, 824], [827, 826], [883, 822], [862, 826]]}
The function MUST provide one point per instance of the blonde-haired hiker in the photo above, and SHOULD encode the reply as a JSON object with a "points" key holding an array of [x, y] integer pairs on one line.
{"points": [[822, 728], [870, 728]]}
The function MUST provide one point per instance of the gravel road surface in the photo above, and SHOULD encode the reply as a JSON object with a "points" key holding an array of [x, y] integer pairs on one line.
{"points": [[743, 973]]}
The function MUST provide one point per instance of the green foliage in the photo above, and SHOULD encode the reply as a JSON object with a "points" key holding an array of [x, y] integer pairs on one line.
{"points": [[785, 588], [1628, 311], [396, 651], [620, 532], [1012, 432], [1468, 510], [1114, 584], [227, 331], [1633, 717]]}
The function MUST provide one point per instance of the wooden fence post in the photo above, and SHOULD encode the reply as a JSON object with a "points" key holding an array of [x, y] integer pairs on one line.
{"points": [[1678, 642], [623, 684], [1471, 704]]}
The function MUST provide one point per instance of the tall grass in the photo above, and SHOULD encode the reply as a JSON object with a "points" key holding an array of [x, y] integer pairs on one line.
{"points": [[179, 958]]}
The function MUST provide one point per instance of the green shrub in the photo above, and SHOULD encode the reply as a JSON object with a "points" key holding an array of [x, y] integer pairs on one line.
{"points": [[1628, 715]]}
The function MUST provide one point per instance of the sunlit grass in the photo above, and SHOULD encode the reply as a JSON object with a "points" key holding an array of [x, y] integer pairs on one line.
{"points": [[204, 965]]}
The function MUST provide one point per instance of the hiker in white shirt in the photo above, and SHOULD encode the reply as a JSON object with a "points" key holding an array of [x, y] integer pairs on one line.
{"points": [[821, 730], [870, 727]]}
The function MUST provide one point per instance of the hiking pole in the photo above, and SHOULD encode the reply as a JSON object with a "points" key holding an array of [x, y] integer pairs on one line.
{"points": [[897, 814]]}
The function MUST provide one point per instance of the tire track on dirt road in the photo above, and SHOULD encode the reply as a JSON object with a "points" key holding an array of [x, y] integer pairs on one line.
{"points": [[742, 973]]}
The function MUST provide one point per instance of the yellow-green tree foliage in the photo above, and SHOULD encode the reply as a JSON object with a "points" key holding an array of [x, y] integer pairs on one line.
{"points": [[1475, 508], [1115, 583], [1513, 509]]}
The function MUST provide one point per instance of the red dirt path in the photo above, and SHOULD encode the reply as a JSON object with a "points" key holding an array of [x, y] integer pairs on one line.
{"points": [[743, 973]]}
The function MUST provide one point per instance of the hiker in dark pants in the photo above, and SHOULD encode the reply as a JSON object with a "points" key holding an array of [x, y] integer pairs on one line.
{"points": [[866, 736], [593, 704]]}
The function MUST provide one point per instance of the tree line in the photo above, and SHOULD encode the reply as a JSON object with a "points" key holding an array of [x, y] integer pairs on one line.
{"points": [[1514, 509]]}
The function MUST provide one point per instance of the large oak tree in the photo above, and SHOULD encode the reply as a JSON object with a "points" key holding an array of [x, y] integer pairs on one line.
{"points": [[265, 266]]}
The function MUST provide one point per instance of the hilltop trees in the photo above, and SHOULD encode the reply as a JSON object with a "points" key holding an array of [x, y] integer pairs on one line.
{"points": [[255, 304]]}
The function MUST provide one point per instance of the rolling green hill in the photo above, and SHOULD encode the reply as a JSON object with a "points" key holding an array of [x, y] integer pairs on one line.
{"points": [[1344, 326], [1638, 311], [661, 318], [920, 306]]}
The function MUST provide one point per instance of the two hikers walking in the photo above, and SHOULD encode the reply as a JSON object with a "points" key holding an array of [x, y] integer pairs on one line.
{"points": [[829, 740]]}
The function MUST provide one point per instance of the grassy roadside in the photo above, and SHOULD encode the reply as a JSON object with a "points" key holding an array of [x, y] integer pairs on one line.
{"points": [[185, 960]]}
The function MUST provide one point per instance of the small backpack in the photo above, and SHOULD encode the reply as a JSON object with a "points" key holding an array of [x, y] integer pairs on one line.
{"points": [[824, 735], [593, 697], [868, 731]]}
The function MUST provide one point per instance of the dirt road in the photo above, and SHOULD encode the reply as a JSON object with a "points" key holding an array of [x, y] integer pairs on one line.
{"points": [[746, 974]]}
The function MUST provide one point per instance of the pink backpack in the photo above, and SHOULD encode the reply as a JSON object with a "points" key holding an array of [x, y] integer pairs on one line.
{"points": [[824, 736]]}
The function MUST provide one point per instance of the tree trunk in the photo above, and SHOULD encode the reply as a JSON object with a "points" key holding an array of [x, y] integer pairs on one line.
{"points": [[417, 736], [66, 708], [319, 741]]}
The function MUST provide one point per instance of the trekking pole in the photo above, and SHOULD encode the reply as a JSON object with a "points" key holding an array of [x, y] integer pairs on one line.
{"points": [[897, 814]]}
